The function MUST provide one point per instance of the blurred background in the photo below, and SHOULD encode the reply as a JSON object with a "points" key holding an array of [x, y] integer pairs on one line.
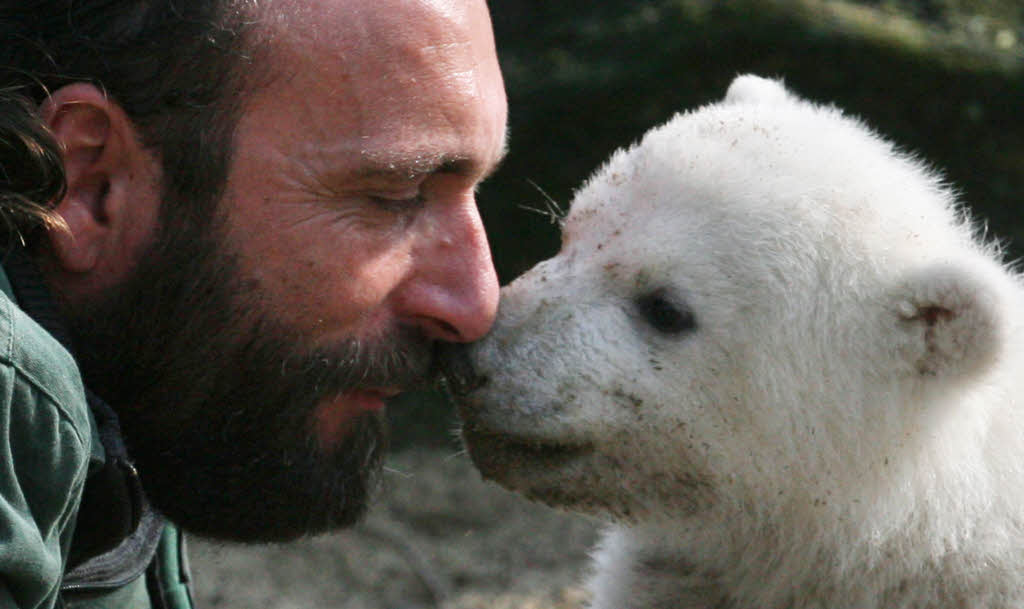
{"points": [[942, 78]]}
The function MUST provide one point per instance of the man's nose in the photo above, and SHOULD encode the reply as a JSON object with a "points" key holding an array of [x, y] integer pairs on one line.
{"points": [[452, 293]]}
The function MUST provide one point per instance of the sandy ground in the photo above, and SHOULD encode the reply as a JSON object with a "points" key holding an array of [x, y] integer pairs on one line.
{"points": [[437, 537]]}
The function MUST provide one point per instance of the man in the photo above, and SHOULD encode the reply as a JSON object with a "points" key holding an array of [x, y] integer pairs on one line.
{"points": [[270, 223]]}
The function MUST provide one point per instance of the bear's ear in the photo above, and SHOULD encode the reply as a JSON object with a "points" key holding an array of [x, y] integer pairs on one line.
{"points": [[950, 322], [751, 89]]}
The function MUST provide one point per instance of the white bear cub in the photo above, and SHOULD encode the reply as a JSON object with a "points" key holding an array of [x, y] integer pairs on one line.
{"points": [[779, 360]]}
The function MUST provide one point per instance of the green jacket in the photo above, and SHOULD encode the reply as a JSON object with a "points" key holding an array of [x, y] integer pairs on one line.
{"points": [[54, 453]]}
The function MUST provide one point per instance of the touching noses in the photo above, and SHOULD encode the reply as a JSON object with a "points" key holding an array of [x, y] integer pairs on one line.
{"points": [[453, 292]]}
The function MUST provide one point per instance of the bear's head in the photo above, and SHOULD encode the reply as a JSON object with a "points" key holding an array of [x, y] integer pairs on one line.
{"points": [[761, 302]]}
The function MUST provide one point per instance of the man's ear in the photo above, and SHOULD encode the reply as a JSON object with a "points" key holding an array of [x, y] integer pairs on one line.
{"points": [[101, 155]]}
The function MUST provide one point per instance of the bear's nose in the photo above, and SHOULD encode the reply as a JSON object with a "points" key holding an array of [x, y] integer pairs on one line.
{"points": [[456, 369]]}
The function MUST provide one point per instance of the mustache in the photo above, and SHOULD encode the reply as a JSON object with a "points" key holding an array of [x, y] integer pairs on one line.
{"points": [[405, 359]]}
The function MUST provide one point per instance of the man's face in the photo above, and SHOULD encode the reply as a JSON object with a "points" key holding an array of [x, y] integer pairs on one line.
{"points": [[350, 203], [249, 359]]}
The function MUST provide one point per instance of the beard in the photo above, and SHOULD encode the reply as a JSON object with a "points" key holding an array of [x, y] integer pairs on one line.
{"points": [[217, 399]]}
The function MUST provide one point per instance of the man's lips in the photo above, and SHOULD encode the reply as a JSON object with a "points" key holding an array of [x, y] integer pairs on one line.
{"points": [[333, 418], [368, 400]]}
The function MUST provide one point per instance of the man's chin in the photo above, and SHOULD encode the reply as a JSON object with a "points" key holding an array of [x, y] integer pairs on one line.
{"points": [[248, 493]]}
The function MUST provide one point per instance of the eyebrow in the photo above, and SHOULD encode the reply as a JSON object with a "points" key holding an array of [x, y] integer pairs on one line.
{"points": [[414, 166]]}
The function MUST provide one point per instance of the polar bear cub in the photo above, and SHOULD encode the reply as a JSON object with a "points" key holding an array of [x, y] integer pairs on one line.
{"points": [[783, 364]]}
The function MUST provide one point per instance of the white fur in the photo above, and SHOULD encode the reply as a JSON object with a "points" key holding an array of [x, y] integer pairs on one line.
{"points": [[842, 428]]}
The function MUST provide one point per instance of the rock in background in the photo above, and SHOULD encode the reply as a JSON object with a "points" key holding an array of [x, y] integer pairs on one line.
{"points": [[438, 537]]}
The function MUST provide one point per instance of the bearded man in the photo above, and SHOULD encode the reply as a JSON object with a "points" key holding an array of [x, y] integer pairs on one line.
{"points": [[268, 224]]}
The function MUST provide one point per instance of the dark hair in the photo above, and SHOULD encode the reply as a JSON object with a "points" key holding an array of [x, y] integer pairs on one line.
{"points": [[31, 171], [176, 67]]}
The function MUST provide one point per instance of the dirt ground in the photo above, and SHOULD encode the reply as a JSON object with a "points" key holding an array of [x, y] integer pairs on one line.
{"points": [[437, 537]]}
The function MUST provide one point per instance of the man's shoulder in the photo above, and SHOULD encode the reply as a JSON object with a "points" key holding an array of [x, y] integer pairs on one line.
{"points": [[46, 442], [34, 357]]}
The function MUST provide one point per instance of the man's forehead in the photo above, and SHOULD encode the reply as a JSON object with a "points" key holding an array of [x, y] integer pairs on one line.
{"points": [[372, 46], [431, 102], [354, 23]]}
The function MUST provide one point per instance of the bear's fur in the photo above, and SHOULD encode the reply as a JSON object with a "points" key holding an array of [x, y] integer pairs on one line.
{"points": [[783, 364]]}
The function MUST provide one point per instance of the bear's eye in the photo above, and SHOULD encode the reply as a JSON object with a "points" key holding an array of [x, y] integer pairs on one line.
{"points": [[663, 315]]}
